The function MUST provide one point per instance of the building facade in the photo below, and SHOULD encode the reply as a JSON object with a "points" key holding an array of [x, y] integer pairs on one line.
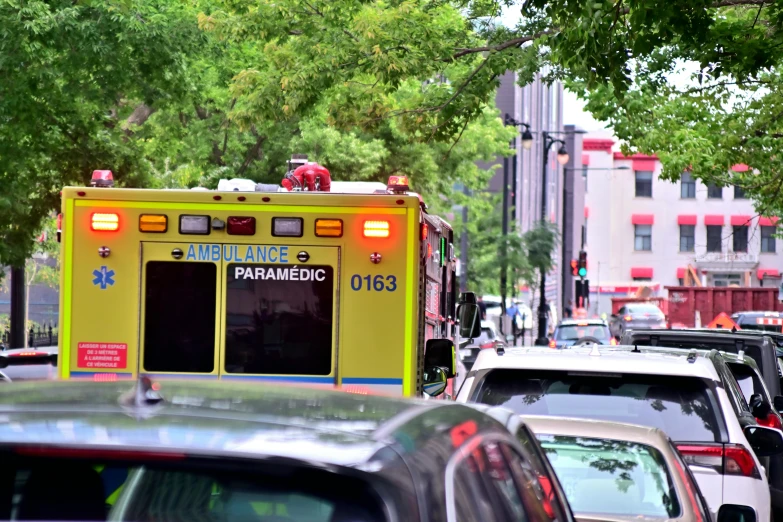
{"points": [[643, 231], [540, 105]]}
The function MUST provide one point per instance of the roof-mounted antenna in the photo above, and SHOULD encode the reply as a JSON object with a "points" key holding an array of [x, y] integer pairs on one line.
{"points": [[692, 357], [144, 393], [636, 349], [499, 349]]}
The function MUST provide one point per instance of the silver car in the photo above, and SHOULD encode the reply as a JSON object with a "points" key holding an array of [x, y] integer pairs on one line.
{"points": [[612, 471], [636, 315]]}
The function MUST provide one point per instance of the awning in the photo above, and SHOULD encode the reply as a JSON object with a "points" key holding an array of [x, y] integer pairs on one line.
{"points": [[714, 219], [642, 219], [681, 273], [740, 221], [644, 164], [644, 272], [587, 212], [768, 221], [686, 219], [767, 272]]}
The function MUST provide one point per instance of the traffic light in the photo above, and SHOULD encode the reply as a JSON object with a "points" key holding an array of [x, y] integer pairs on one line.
{"points": [[574, 267], [582, 264]]}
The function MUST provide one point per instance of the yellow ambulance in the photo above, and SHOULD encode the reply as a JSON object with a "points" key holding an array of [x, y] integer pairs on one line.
{"points": [[313, 282]]}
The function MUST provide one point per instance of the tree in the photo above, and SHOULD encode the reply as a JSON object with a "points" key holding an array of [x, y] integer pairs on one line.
{"points": [[539, 245], [76, 78]]}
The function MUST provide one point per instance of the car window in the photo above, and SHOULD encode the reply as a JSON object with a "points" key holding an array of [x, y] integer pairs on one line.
{"points": [[684, 407], [644, 309], [747, 379], [603, 476], [575, 332], [79, 490], [471, 493]]}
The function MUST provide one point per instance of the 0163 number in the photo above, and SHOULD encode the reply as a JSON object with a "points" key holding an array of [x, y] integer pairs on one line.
{"points": [[376, 283]]}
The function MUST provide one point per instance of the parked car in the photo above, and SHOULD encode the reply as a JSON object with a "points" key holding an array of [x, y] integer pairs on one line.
{"points": [[168, 450], [694, 399], [20, 364], [488, 339], [613, 471], [636, 315], [577, 332], [762, 321]]}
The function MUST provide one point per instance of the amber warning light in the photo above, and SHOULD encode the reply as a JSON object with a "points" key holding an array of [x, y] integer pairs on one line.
{"points": [[376, 229], [103, 222], [397, 184]]}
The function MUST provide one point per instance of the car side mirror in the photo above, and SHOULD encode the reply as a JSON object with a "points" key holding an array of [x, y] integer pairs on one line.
{"points": [[764, 441], [434, 381], [469, 322], [440, 353], [778, 402], [735, 513]]}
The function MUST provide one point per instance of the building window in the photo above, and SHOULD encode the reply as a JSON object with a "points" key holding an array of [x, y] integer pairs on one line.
{"points": [[740, 238], [643, 237], [714, 191], [714, 240], [687, 238], [681, 281], [642, 279], [687, 186], [768, 239], [643, 184], [739, 192]]}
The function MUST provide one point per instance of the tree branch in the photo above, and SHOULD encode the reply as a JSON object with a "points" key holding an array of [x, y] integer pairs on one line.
{"points": [[514, 42], [252, 153]]}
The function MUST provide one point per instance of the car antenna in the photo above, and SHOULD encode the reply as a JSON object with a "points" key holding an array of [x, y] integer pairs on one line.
{"points": [[692, 357], [636, 349], [144, 393]]}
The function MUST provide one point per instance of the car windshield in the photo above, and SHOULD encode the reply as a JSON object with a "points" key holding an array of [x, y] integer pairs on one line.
{"points": [[615, 477], [684, 407], [574, 332], [69, 489]]}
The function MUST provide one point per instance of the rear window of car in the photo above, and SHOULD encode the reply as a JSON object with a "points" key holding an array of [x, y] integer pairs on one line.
{"points": [[576, 332], [684, 407], [614, 477], [75, 489], [644, 309]]}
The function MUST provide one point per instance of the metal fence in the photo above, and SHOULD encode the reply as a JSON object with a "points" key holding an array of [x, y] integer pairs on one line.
{"points": [[45, 335]]}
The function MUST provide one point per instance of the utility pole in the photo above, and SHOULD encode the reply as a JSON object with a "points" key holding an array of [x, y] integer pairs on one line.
{"points": [[17, 334]]}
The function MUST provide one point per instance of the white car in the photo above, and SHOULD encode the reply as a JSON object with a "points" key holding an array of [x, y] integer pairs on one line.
{"points": [[683, 394]]}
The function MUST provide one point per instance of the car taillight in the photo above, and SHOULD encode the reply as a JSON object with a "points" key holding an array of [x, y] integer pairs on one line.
{"points": [[690, 489], [104, 222], [490, 344], [241, 226], [425, 231], [728, 459], [771, 421], [613, 341], [552, 344], [627, 318]]}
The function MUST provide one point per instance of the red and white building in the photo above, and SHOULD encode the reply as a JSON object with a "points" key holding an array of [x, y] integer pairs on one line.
{"points": [[645, 231]]}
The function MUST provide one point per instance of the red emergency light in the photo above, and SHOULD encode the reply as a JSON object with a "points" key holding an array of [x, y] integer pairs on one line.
{"points": [[102, 178], [397, 184], [241, 226]]}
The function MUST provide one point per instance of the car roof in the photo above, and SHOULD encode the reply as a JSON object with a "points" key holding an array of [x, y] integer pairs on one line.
{"points": [[762, 313], [706, 334], [579, 322], [575, 427], [258, 420], [625, 359]]}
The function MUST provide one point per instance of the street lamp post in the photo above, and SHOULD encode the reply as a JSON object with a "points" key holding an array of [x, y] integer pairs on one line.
{"points": [[527, 142], [562, 158]]}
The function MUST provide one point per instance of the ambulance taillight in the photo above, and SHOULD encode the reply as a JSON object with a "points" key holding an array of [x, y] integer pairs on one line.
{"points": [[102, 178], [198, 225], [376, 229], [59, 227], [329, 227], [153, 223], [425, 231], [241, 226], [105, 222]]}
